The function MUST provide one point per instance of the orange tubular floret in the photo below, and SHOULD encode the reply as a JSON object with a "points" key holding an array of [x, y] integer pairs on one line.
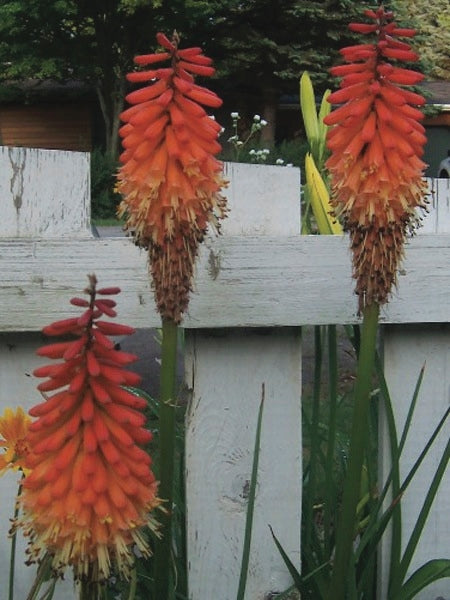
{"points": [[140, 76], [147, 93], [148, 59], [147, 114]]}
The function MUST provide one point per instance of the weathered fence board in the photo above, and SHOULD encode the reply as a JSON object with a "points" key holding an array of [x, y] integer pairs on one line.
{"points": [[225, 371], [220, 436], [406, 350], [42, 193], [251, 281]]}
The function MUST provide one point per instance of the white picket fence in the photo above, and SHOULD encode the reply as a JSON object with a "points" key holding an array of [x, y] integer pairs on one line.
{"points": [[255, 287]]}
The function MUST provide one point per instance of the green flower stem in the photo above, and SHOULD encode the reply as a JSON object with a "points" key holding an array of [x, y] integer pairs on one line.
{"points": [[332, 425], [12, 560], [162, 558], [314, 440], [90, 589], [360, 428]]}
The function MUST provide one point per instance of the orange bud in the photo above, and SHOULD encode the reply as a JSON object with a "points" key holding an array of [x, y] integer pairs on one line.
{"points": [[148, 113], [197, 69], [148, 59], [99, 392], [164, 41], [140, 76], [87, 407], [114, 328], [399, 54], [147, 93], [204, 96]]}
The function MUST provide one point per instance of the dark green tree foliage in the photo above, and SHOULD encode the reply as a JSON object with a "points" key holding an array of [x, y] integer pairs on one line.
{"points": [[92, 41], [263, 46], [260, 47]]}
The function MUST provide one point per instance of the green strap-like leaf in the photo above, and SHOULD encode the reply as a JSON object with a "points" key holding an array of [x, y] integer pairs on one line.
{"points": [[309, 112], [320, 199], [424, 576], [250, 505]]}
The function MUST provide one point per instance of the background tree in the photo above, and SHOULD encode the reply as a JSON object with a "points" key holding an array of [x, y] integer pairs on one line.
{"points": [[263, 46], [87, 40], [260, 47], [432, 21]]}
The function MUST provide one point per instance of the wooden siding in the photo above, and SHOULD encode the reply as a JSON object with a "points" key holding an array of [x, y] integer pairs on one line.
{"points": [[441, 119], [51, 126]]}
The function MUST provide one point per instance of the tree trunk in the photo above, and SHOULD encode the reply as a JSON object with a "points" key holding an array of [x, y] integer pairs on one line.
{"points": [[269, 114], [111, 105]]}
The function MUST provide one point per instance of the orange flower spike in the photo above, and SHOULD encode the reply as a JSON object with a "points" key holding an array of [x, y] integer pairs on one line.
{"points": [[170, 180], [376, 142], [84, 440]]}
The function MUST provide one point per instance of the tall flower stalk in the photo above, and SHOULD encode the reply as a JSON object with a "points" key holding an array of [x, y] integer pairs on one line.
{"points": [[376, 142], [90, 494], [170, 182]]}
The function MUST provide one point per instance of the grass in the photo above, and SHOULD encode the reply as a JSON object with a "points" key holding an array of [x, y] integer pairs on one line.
{"points": [[107, 222]]}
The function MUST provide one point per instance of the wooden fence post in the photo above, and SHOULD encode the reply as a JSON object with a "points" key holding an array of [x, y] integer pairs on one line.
{"points": [[225, 370], [406, 349], [45, 195]]}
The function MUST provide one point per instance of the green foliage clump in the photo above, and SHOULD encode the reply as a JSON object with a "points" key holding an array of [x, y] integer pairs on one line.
{"points": [[104, 199], [286, 152]]}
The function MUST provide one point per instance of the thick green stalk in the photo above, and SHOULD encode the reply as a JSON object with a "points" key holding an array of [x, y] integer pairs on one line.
{"points": [[360, 428], [329, 512], [90, 589], [162, 558], [310, 495]]}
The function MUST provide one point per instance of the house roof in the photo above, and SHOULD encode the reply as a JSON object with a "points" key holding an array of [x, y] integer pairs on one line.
{"points": [[438, 92], [35, 90]]}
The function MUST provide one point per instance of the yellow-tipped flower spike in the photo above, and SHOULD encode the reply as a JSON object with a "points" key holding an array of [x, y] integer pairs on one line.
{"points": [[170, 179], [376, 141]]}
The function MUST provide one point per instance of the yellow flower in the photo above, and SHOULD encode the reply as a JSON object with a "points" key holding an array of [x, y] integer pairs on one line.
{"points": [[170, 179], [13, 431], [376, 142]]}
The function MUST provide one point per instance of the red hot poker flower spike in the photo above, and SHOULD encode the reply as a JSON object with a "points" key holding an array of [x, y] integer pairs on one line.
{"points": [[170, 179], [376, 141], [90, 491]]}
